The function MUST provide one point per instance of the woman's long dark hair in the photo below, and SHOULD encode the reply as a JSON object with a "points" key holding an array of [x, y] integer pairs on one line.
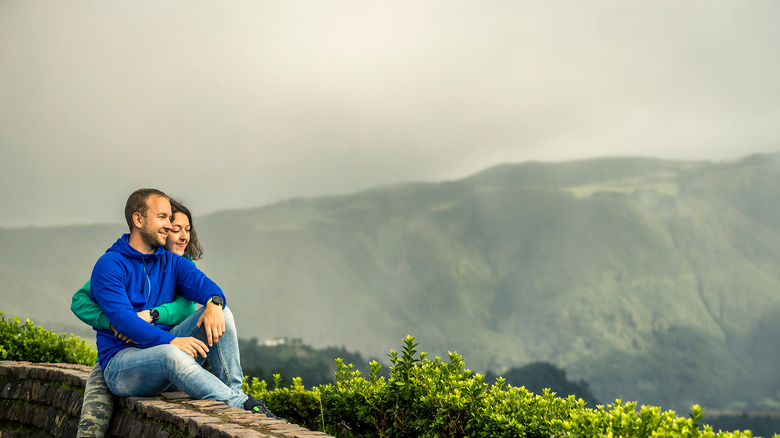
{"points": [[193, 250]]}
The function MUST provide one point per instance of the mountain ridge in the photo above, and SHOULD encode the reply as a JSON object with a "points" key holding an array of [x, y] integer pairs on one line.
{"points": [[626, 272]]}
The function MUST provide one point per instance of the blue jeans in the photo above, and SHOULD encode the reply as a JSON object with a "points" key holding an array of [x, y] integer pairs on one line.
{"points": [[153, 370]]}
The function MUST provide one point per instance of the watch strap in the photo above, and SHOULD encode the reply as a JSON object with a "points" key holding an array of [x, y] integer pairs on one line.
{"points": [[216, 299]]}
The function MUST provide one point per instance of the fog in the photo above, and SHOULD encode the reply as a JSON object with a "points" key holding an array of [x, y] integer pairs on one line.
{"points": [[245, 103]]}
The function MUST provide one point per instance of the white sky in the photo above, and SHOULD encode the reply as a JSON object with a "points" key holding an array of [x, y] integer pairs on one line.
{"points": [[243, 103]]}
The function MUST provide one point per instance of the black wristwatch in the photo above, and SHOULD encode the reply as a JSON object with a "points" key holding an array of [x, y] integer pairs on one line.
{"points": [[155, 315], [216, 299]]}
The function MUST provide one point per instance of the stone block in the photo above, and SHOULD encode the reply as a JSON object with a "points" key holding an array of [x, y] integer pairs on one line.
{"points": [[118, 424], [136, 403], [221, 430], [35, 393], [64, 398], [150, 406], [201, 404], [175, 395], [13, 412], [248, 433], [36, 372], [137, 427], [287, 429], [21, 433], [26, 391], [74, 403], [220, 410], [26, 414], [150, 430], [73, 378], [40, 417], [162, 433], [47, 394], [194, 423], [55, 418], [177, 417], [11, 390], [22, 370]]}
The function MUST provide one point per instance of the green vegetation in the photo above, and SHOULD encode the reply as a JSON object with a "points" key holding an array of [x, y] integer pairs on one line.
{"points": [[419, 397], [436, 398], [28, 342]]}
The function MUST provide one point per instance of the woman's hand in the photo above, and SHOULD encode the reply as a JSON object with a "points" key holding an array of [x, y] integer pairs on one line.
{"points": [[213, 320], [146, 315], [120, 336]]}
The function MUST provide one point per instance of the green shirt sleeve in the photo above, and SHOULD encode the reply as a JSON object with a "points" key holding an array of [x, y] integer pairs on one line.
{"points": [[175, 312], [87, 310], [90, 313]]}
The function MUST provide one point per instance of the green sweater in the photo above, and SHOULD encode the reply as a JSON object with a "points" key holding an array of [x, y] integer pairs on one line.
{"points": [[90, 313]]}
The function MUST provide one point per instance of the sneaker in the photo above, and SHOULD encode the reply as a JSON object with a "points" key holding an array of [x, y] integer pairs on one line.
{"points": [[258, 407]]}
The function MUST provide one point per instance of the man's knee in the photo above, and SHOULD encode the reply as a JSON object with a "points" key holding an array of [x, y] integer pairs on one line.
{"points": [[175, 357]]}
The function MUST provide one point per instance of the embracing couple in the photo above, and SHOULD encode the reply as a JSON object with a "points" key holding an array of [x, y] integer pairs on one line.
{"points": [[150, 337]]}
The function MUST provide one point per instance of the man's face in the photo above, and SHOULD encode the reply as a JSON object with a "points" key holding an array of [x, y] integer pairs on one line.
{"points": [[157, 222]]}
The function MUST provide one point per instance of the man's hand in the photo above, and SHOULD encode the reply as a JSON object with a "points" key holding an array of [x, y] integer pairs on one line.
{"points": [[213, 320], [120, 336], [191, 346], [146, 315]]}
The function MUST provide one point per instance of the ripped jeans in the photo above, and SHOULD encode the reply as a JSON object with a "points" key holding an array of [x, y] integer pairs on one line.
{"points": [[153, 370]]}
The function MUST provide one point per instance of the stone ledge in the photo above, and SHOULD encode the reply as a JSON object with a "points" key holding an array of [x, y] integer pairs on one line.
{"points": [[43, 399]]}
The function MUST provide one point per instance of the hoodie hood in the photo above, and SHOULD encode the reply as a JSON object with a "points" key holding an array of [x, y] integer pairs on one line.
{"points": [[122, 246]]}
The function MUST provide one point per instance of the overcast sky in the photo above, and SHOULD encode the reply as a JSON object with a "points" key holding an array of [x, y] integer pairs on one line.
{"points": [[244, 103]]}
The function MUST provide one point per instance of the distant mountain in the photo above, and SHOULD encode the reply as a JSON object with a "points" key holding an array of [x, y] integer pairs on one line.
{"points": [[652, 280]]}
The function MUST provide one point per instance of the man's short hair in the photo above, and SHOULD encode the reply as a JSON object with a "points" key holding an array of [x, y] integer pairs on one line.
{"points": [[136, 202]]}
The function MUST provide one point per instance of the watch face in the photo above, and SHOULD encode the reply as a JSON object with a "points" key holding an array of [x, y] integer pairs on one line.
{"points": [[217, 300]]}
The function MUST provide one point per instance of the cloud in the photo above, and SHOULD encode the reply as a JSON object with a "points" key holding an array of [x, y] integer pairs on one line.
{"points": [[239, 105]]}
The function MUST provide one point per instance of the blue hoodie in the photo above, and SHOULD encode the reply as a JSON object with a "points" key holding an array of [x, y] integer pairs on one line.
{"points": [[126, 281]]}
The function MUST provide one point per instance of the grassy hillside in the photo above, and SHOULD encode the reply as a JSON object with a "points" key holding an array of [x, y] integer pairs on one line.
{"points": [[652, 280]]}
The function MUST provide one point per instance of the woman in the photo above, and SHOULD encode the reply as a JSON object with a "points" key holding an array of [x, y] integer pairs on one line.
{"points": [[99, 402]]}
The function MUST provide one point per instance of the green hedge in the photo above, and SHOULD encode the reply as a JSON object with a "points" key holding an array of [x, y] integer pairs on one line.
{"points": [[28, 342], [420, 397], [434, 398]]}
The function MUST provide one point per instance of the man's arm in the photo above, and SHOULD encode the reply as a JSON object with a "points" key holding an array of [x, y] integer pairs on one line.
{"points": [[196, 286], [108, 290]]}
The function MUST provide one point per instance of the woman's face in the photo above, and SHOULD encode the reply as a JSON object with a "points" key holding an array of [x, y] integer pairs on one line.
{"points": [[179, 236]]}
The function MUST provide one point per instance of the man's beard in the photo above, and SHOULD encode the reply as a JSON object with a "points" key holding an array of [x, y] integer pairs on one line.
{"points": [[151, 238]]}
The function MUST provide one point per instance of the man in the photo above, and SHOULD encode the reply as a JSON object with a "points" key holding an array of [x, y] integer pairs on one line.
{"points": [[137, 274]]}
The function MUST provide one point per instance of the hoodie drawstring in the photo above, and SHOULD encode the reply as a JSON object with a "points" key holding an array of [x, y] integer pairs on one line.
{"points": [[146, 274]]}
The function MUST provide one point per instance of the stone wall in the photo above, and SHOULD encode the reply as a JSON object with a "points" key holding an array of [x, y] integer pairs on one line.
{"points": [[43, 400]]}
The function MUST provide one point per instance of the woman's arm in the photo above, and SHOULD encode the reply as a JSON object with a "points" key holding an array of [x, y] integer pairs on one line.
{"points": [[175, 312], [87, 310], [90, 313]]}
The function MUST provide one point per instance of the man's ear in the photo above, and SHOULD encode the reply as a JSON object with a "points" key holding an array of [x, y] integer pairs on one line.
{"points": [[138, 220]]}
